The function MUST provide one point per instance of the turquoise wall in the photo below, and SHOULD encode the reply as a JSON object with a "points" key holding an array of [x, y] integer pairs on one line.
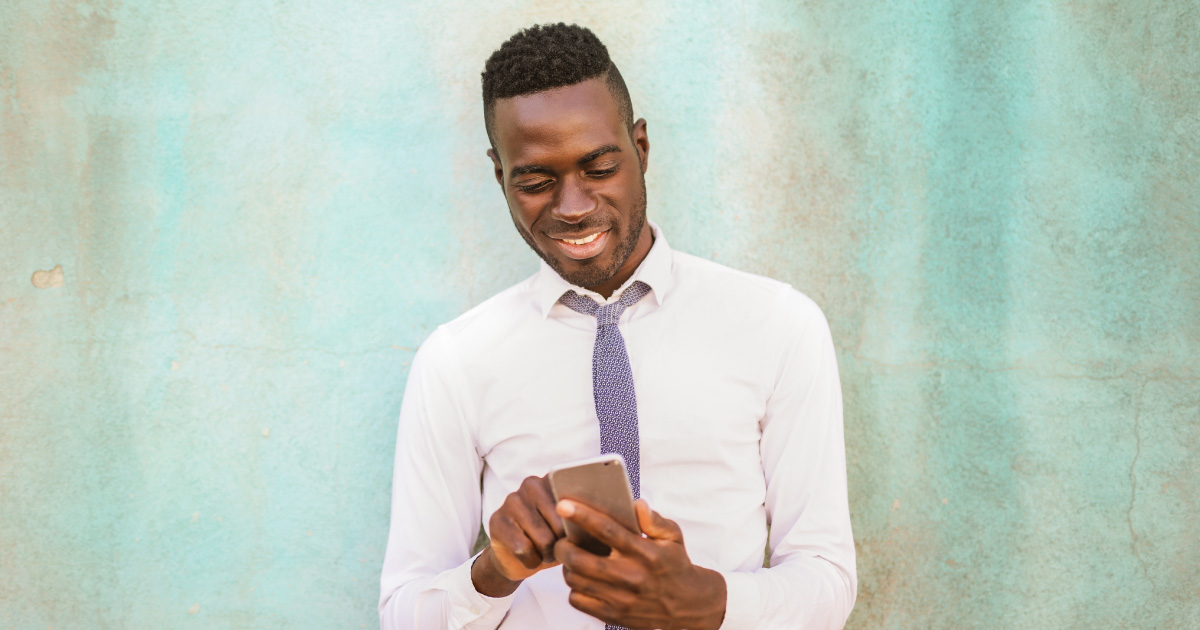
{"points": [[259, 209]]}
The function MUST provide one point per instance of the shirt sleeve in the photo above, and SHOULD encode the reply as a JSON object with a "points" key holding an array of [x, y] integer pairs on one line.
{"points": [[811, 582], [426, 579]]}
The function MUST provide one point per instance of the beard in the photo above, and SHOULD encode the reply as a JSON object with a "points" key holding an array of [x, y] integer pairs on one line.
{"points": [[593, 274]]}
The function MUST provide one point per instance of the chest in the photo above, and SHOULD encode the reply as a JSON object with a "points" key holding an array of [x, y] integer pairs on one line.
{"points": [[699, 403]]}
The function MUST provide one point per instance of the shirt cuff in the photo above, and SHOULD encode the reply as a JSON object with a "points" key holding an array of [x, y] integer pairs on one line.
{"points": [[468, 606], [742, 608]]}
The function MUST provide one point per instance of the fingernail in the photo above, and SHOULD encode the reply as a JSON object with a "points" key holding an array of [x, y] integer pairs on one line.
{"points": [[566, 508]]}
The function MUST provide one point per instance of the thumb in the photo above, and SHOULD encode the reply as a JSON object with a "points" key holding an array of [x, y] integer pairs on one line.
{"points": [[654, 525]]}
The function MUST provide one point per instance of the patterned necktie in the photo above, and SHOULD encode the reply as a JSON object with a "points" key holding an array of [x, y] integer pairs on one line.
{"points": [[612, 379], [612, 382]]}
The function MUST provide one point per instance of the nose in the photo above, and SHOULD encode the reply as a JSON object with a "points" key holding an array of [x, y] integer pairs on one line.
{"points": [[574, 201]]}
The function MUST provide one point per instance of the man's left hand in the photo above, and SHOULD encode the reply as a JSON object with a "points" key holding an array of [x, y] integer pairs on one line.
{"points": [[647, 581]]}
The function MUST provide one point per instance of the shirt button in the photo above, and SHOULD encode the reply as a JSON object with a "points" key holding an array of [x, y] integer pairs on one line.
{"points": [[474, 610]]}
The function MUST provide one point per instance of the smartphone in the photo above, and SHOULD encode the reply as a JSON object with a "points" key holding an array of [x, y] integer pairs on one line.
{"points": [[600, 483]]}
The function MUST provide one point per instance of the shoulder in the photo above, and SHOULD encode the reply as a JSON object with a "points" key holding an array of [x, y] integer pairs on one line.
{"points": [[486, 324], [751, 295]]}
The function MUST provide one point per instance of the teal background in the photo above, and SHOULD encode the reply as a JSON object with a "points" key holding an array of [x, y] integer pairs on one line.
{"points": [[261, 208]]}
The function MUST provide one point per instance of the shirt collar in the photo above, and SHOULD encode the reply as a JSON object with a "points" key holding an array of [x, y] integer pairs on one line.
{"points": [[655, 271]]}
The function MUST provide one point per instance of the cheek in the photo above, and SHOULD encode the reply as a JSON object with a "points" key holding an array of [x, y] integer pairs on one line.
{"points": [[623, 192], [524, 215]]}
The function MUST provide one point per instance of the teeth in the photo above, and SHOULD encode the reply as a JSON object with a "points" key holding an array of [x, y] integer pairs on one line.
{"points": [[581, 241]]}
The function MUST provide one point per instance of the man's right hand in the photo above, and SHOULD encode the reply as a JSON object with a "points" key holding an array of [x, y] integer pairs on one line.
{"points": [[523, 532]]}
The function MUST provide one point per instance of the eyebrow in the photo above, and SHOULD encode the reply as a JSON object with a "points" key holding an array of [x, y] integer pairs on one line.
{"points": [[536, 168]]}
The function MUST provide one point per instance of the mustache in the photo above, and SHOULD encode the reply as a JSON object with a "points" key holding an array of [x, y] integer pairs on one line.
{"points": [[558, 229]]}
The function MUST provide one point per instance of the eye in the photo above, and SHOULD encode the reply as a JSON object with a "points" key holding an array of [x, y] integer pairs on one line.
{"points": [[602, 173], [535, 187]]}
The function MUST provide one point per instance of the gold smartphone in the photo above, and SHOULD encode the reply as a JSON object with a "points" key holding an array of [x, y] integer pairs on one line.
{"points": [[600, 483]]}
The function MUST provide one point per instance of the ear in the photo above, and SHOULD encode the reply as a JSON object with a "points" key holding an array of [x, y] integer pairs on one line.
{"points": [[496, 164], [642, 142]]}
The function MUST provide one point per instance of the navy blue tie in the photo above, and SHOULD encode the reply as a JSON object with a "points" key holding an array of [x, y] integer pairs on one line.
{"points": [[612, 382], [612, 378]]}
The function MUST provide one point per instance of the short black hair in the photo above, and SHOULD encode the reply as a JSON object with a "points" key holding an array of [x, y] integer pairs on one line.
{"points": [[548, 56]]}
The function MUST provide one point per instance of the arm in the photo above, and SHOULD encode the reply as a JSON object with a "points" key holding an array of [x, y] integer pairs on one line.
{"points": [[426, 580], [812, 581]]}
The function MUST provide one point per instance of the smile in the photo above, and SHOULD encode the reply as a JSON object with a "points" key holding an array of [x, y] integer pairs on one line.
{"points": [[582, 241], [582, 248]]}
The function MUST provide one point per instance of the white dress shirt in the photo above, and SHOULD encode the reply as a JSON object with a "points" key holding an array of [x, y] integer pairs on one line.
{"points": [[740, 415]]}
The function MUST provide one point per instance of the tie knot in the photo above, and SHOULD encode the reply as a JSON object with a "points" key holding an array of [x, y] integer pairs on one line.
{"points": [[609, 314]]}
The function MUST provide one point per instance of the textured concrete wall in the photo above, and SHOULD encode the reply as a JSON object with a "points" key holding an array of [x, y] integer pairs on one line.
{"points": [[225, 226]]}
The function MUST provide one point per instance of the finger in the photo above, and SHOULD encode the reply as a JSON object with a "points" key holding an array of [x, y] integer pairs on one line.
{"points": [[616, 599], [586, 585], [534, 526], [600, 525], [620, 572], [542, 498], [510, 539], [589, 605], [654, 525], [606, 586], [598, 608]]}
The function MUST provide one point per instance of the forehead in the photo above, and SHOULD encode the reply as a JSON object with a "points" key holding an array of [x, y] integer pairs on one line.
{"points": [[571, 119]]}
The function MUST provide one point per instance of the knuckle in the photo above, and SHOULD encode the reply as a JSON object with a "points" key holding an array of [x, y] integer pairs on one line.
{"points": [[521, 551], [545, 547], [498, 527], [637, 581], [546, 535]]}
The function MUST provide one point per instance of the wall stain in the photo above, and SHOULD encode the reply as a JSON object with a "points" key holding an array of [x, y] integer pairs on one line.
{"points": [[48, 279], [1137, 434]]}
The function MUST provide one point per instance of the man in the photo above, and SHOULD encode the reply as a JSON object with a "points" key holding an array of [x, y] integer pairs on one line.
{"points": [[719, 387]]}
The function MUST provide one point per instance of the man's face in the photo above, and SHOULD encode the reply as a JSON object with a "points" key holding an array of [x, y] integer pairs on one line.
{"points": [[574, 179]]}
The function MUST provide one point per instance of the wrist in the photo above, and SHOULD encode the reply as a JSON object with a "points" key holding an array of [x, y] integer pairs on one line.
{"points": [[488, 579], [712, 605]]}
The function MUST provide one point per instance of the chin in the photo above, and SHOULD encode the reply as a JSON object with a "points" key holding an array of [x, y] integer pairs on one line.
{"points": [[588, 273]]}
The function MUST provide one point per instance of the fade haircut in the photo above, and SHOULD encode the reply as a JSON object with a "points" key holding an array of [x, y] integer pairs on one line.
{"points": [[548, 56]]}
